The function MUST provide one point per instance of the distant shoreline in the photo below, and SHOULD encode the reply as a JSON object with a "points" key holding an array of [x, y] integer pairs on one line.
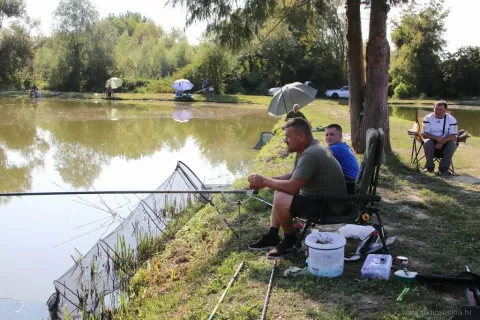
{"points": [[219, 98]]}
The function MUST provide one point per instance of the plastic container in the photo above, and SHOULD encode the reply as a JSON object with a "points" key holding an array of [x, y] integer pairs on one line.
{"points": [[356, 231], [377, 266], [326, 251]]}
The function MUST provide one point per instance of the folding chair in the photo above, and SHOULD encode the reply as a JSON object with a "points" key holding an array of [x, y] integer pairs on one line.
{"points": [[419, 141], [361, 207]]}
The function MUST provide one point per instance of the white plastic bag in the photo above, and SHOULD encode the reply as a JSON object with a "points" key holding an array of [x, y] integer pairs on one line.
{"points": [[356, 231]]}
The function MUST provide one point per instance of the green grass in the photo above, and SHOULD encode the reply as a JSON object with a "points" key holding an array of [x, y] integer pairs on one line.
{"points": [[435, 220], [144, 97], [220, 98]]}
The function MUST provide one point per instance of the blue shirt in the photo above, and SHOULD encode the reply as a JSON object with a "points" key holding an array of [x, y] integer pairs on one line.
{"points": [[344, 155]]}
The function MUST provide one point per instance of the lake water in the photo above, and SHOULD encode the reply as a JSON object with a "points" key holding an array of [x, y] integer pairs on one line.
{"points": [[467, 118], [50, 145]]}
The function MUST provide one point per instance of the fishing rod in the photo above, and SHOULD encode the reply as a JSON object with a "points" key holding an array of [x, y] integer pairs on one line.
{"points": [[267, 297], [347, 198], [235, 276], [63, 193]]}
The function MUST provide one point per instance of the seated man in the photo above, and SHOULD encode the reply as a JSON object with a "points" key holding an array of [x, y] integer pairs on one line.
{"points": [[344, 155], [109, 91], [295, 113], [440, 133], [315, 173]]}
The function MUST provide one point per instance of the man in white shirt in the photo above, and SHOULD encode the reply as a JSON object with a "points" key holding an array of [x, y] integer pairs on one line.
{"points": [[440, 133]]}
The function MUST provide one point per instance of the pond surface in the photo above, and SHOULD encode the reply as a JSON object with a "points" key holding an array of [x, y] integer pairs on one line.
{"points": [[51, 145], [467, 119]]}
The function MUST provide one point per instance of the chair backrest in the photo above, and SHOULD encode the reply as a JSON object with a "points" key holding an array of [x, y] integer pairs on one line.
{"points": [[420, 115], [374, 156]]}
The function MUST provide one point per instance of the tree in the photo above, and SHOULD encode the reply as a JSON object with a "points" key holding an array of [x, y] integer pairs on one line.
{"points": [[16, 55], [235, 25], [11, 8], [211, 62], [418, 38], [461, 73], [127, 21], [74, 23], [369, 100]]}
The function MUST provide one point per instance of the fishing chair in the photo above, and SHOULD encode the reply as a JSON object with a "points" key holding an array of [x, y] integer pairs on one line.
{"points": [[418, 141], [361, 207]]}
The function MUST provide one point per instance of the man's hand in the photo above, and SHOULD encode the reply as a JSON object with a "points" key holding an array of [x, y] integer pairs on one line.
{"points": [[438, 145], [440, 140], [256, 181]]}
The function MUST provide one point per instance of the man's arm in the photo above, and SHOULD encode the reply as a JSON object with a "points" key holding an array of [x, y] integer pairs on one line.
{"points": [[286, 176], [290, 186], [427, 135], [450, 137]]}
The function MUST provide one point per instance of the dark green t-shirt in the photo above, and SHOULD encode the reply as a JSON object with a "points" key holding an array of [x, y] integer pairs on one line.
{"points": [[322, 171], [292, 115]]}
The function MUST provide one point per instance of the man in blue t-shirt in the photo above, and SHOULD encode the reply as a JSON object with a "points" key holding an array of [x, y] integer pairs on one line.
{"points": [[344, 155]]}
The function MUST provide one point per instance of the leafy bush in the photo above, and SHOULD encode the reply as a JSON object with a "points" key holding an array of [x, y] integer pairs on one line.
{"points": [[131, 84], [403, 91], [162, 85]]}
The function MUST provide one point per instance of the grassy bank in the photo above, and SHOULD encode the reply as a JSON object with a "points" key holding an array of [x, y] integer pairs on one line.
{"points": [[223, 98], [129, 97], [435, 220]]}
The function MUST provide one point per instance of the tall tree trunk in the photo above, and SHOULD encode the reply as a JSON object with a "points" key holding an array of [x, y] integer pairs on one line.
{"points": [[378, 61], [356, 76]]}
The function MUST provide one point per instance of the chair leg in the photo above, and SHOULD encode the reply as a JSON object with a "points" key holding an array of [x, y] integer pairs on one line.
{"points": [[307, 225], [414, 151], [381, 231]]}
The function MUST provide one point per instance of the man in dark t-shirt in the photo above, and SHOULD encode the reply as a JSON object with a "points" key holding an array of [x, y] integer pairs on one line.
{"points": [[316, 173], [295, 113]]}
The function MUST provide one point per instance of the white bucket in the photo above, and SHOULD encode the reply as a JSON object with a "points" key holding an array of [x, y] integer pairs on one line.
{"points": [[326, 251]]}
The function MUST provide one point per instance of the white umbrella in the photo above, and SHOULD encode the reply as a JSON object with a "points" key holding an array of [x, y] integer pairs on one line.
{"points": [[290, 94], [114, 82], [182, 85]]}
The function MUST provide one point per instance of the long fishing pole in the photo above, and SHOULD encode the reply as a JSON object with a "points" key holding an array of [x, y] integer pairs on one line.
{"points": [[349, 198], [267, 297], [212, 315], [63, 193]]}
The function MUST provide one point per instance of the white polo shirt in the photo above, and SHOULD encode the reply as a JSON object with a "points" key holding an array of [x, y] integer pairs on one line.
{"points": [[440, 127]]}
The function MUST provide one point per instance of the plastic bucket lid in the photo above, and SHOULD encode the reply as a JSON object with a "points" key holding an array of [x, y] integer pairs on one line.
{"points": [[325, 240]]}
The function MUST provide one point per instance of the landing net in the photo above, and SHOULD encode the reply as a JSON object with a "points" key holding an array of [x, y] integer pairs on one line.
{"points": [[98, 277]]}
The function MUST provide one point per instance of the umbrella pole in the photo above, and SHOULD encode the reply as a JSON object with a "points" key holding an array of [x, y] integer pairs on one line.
{"points": [[284, 103]]}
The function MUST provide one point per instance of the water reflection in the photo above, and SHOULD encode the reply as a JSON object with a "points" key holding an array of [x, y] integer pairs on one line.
{"points": [[80, 145], [182, 113], [83, 137], [21, 147], [466, 119]]}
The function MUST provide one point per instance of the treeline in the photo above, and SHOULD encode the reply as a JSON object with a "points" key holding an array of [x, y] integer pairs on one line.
{"points": [[84, 51], [420, 67]]}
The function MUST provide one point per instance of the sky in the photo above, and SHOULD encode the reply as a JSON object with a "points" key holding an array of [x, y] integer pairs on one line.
{"points": [[460, 22]]}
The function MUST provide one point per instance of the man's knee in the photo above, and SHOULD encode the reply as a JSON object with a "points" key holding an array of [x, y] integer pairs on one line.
{"points": [[429, 144], [450, 146], [282, 199]]}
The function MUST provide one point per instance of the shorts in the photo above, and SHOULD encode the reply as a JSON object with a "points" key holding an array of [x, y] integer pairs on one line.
{"points": [[307, 207]]}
